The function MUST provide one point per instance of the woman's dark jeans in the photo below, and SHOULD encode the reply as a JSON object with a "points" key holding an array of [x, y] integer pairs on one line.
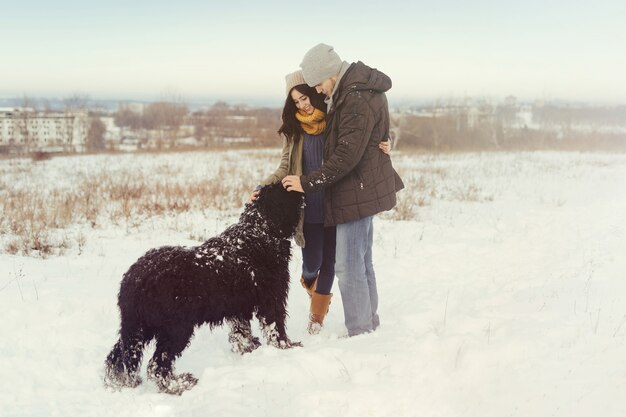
{"points": [[318, 256]]}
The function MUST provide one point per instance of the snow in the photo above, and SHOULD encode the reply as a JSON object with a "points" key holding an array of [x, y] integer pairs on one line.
{"points": [[504, 296]]}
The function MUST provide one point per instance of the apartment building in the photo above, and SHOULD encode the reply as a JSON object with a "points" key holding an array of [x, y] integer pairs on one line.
{"points": [[27, 130]]}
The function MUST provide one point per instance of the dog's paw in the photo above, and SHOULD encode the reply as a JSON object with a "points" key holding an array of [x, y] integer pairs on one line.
{"points": [[117, 380], [295, 344], [254, 344], [242, 344], [178, 384], [286, 344], [187, 380]]}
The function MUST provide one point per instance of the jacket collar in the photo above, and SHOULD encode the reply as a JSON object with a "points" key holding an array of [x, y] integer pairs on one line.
{"points": [[329, 100]]}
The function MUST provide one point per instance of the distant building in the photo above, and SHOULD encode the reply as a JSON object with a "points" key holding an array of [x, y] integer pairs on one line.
{"points": [[113, 134], [27, 130]]}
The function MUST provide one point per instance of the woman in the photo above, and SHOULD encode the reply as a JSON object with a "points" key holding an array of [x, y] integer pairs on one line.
{"points": [[303, 131]]}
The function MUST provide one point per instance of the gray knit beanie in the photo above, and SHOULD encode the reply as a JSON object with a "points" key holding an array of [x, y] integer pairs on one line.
{"points": [[320, 63], [292, 79]]}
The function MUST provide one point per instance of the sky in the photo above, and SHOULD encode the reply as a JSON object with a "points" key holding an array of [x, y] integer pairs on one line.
{"points": [[240, 50]]}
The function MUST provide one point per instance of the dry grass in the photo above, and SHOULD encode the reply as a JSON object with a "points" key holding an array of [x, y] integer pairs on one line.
{"points": [[39, 211], [47, 207]]}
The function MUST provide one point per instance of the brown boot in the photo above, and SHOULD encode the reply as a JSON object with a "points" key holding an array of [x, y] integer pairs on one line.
{"points": [[319, 308], [309, 290]]}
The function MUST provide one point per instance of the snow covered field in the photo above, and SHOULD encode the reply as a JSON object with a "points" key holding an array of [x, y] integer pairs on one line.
{"points": [[504, 294]]}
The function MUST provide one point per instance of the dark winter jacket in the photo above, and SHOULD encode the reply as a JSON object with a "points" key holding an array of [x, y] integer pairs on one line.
{"points": [[359, 179]]}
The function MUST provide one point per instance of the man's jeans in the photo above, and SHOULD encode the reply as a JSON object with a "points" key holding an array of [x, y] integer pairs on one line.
{"points": [[355, 271]]}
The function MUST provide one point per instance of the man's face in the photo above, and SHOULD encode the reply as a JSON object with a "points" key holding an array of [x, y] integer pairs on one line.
{"points": [[327, 86]]}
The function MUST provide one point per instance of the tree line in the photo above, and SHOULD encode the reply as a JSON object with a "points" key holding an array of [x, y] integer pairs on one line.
{"points": [[169, 124], [166, 123], [487, 127]]}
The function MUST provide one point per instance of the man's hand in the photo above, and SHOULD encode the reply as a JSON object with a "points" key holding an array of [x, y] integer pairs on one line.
{"points": [[292, 183]]}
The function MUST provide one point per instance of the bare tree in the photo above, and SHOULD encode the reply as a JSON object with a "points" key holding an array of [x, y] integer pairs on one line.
{"points": [[75, 105], [125, 117], [95, 135], [166, 118], [24, 121], [200, 131]]}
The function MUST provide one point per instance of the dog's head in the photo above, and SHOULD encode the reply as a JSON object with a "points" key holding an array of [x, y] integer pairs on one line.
{"points": [[281, 208]]}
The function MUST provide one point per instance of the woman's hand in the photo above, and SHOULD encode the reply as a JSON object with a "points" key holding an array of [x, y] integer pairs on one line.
{"points": [[292, 183], [385, 146], [254, 196]]}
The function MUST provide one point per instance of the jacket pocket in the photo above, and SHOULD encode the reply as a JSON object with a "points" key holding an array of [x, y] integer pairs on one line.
{"points": [[359, 177]]}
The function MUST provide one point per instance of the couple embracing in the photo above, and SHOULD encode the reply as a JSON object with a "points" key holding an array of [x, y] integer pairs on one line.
{"points": [[335, 126]]}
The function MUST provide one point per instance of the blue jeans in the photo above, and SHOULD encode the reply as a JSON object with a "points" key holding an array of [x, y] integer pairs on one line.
{"points": [[318, 256], [355, 271]]}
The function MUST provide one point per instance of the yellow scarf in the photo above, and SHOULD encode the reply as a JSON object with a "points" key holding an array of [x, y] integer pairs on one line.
{"points": [[313, 124]]}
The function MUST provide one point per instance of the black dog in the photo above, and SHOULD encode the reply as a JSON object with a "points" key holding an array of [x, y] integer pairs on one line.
{"points": [[171, 290]]}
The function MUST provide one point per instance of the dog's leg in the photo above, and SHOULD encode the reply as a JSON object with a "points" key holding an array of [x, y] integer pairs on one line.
{"points": [[114, 367], [170, 344], [134, 341], [274, 331], [122, 364], [272, 312], [240, 336]]}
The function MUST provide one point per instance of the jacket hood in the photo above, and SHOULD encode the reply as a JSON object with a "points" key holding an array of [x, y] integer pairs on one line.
{"points": [[361, 77]]}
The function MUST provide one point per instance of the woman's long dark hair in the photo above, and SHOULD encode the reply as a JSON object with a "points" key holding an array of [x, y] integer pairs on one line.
{"points": [[291, 126]]}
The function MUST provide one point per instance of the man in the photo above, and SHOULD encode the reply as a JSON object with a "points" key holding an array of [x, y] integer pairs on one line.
{"points": [[359, 180]]}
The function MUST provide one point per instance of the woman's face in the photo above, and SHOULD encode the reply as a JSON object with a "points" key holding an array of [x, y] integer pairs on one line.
{"points": [[303, 102]]}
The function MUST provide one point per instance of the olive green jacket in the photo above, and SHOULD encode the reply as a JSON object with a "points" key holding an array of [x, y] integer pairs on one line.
{"points": [[290, 164]]}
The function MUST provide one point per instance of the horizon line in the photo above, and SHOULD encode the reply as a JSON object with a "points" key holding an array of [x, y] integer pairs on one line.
{"points": [[266, 100]]}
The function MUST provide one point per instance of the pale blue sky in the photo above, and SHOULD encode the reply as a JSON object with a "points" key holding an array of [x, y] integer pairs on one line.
{"points": [[240, 50]]}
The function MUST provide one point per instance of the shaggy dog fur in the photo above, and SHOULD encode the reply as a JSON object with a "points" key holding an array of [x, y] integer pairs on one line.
{"points": [[229, 278]]}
